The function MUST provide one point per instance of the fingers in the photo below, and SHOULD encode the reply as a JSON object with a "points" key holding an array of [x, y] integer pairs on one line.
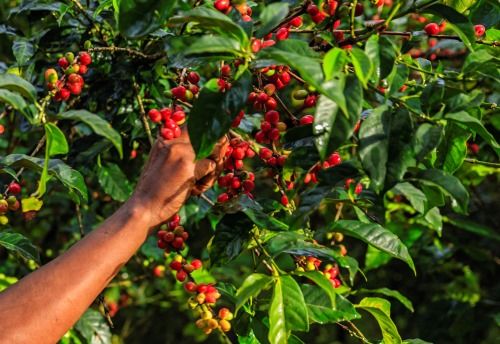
{"points": [[203, 168], [204, 184]]}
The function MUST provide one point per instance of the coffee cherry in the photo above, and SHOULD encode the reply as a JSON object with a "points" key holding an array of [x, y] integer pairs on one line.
{"points": [[334, 159], [238, 154], [159, 271], [179, 117], [272, 116], [197, 264], [307, 119], [83, 70], [3, 220], [63, 63], [358, 188], [225, 70], [176, 265], [167, 133], [193, 77], [190, 287], [74, 89], [223, 197], [4, 206], [179, 92], [256, 45], [312, 10], [248, 185], [2, 129], [296, 22], [225, 325], [265, 153], [282, 34], [222, 5], [181, 275], [84, 58], [15, 206], [51, 75], [14, 188], [359, 9], [347, 183], [284, 200], [432, 29], [154, 115], [479, 30]]}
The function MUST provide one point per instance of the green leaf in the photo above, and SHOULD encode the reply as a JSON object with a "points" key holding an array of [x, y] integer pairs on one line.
{"points": [[23, 50], [453, 148], [31, 204], [324, 119], [473, 227], [456, 21], [288, 311], [15, 83], [251, 287], [17, 102], [391, 293], [20, 245], [427, 138], [373, 151], [97, 124], [271, 16], [321, 310], [477, 60], [321, 281], [213, 20], [212, 114], [255, 212], [94, 328], [334, 62], [476, 126], [294, 243], [363, 66], [417, 198], [381, 311], [415, 341], [375, 258], [460, 5], [448, 184], [299, 56], [114, 182], [56, 141], [377, 236], [70, 178], [214, 44], [138, 18]]}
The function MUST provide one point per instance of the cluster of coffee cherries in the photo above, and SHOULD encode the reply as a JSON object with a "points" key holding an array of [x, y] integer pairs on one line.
{"points": [[207, 323], [350, 184], [225, 7], [71, 82], [236, 180], [312, 175], [188, 88], [184, 268], [10, 203], [435, 28], [335, 240], [172, 236], [310, 263], [170, 118]]}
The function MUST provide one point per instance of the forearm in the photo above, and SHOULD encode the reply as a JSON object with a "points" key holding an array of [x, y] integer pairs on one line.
{"points": [[44, 305]]}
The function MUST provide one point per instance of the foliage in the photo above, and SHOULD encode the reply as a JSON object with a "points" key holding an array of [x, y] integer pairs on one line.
{"points": [[389, 135]]}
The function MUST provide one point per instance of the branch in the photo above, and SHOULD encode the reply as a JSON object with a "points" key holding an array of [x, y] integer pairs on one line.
{"points": [[142, 112], [129, 51], [484, 163], [294, 13]]}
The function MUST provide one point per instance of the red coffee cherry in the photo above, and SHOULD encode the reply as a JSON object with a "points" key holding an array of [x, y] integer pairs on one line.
{"points": [[190, 287], [193, 77], [223, 197], [284, 200], [296, 22], [63, 63], [358, 188], [265, 153], [14, 188], [432, 29], [84, 58], [155, 115], [307, 119], [222, 5], [479, 30]]}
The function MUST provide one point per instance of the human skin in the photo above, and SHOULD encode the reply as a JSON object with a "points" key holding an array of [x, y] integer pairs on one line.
{"points": [[45, 304]]}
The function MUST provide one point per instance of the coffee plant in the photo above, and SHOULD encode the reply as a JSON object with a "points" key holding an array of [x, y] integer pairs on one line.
{"points": [[362, 164]]}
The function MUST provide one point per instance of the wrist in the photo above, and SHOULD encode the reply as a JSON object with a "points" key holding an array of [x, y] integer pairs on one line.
{"points": [[139, 213]]}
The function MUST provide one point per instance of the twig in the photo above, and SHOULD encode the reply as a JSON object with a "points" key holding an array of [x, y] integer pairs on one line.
{"points": [[484, 163], [339, 211], [87, 16], [294, 13], [142, 112], [289, 113], [354, 334], [80, 220], [206, 199], [353, 16], [129, 51]]}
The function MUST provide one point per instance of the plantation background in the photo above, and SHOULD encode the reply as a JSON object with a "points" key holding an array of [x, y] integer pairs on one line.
{"points": [[455, 293]]}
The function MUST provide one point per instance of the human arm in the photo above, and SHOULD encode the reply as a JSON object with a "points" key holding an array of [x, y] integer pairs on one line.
{"points": [[42, 306]]}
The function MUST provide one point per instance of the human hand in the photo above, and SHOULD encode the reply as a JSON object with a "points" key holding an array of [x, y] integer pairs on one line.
{"points": [[171, 175]]}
